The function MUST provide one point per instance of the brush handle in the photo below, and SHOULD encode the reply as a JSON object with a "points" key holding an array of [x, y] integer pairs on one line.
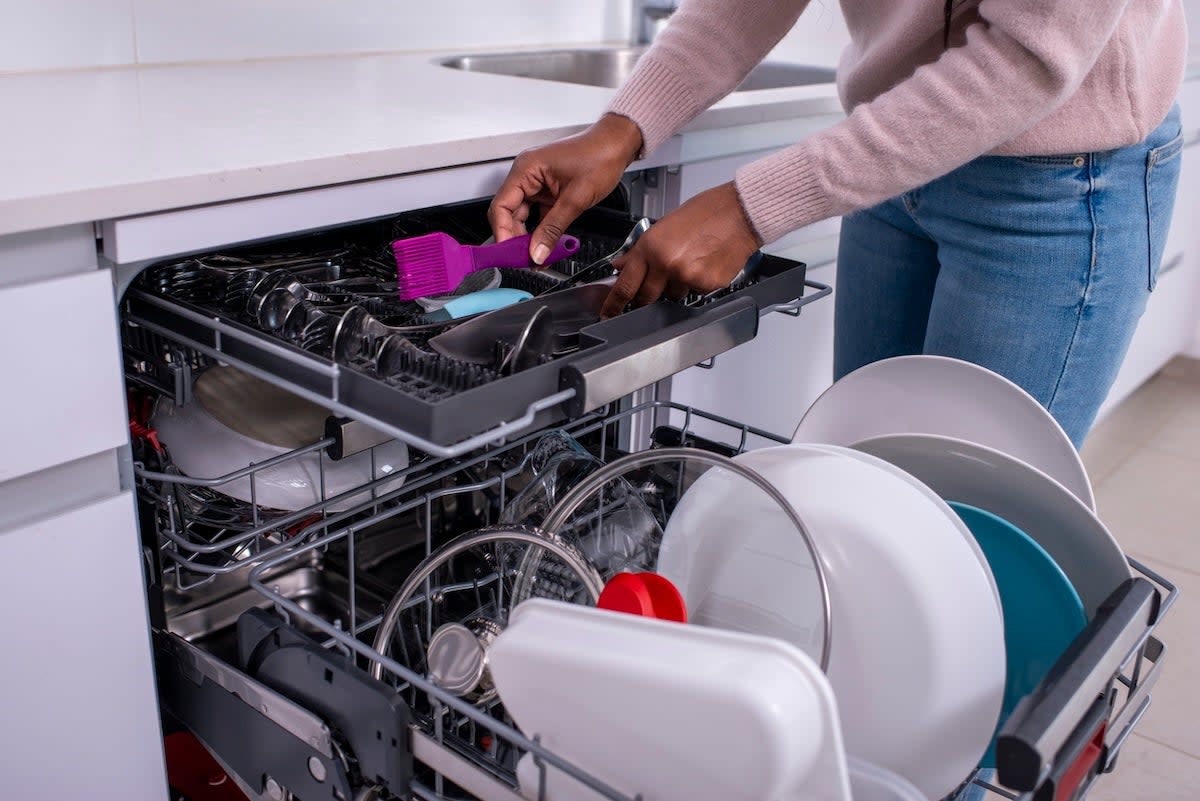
{"points": [[514, 253]]}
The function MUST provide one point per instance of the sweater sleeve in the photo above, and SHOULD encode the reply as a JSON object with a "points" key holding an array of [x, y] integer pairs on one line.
{"points": [[1023, 60], [703, 54]]}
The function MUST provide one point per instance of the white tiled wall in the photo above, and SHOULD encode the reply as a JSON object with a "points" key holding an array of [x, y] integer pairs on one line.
{"points": [[188, 30], [63, 34]]}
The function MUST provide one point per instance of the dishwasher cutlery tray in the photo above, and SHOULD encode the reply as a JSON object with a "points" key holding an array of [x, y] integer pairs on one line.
{"points": [[274, 311]]}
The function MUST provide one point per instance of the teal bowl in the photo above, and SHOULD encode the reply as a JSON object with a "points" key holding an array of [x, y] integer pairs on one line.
{"points": [[1042, 611]]}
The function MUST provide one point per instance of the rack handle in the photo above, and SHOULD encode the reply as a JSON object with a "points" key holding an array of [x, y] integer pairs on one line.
{"points": [[793, 307], [1043, 723]]}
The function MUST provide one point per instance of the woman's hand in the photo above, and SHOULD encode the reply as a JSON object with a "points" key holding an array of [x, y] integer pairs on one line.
{"points": [[564, 178], [698, 247]]}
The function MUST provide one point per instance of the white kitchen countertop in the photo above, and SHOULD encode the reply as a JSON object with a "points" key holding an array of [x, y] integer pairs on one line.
{"points": [[100, 144]]}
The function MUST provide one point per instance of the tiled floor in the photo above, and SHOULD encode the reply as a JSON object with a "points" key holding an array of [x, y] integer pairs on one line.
{"points": [[1144, 460]]}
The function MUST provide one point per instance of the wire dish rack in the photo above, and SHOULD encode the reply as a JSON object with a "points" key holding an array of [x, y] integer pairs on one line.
{"points": [[452, 748]]}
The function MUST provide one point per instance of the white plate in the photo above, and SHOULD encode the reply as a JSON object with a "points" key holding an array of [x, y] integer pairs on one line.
{"points": [[667, 710], [947, 397], [202, 446], [922, 487], [917, 660], [1021, 494]]}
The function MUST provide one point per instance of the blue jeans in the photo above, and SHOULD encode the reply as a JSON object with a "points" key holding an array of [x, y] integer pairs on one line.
{"points": [[1037, 268]]}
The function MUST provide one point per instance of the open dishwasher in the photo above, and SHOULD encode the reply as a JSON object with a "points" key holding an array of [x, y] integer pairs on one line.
{"points": [[267, 613]]}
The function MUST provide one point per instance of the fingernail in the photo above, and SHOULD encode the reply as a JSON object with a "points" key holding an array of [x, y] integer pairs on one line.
{"points": [[540, 253]]}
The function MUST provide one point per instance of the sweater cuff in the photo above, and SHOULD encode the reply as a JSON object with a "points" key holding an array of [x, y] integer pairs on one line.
{"points": [[657, 102], [782, 192]]}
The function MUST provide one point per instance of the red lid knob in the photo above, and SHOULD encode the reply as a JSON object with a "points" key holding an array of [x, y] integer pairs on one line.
{"points": [[645, 594]]}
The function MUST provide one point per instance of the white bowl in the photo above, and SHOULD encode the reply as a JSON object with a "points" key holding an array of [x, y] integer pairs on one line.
{"points": [[917, 657], [945, 397], [1021, 494], [202, 446]]}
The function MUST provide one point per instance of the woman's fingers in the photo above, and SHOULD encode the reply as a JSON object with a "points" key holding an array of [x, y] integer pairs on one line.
{"points": [[573, 201], [652, 288], [632, 271], [510, 207], [676, 290]]}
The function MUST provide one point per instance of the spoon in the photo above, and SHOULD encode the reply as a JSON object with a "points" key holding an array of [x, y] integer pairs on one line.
{"points": [[595, 270]]}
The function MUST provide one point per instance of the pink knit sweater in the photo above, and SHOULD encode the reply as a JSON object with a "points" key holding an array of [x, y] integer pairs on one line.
{"points": [[1021, 77]]}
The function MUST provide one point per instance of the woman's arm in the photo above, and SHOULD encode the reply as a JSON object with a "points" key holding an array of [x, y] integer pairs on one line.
{"points": [[1022, 61], [705, 52], [708, 48]]}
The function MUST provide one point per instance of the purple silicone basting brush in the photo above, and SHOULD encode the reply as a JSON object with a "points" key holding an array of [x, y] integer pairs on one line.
{"points": [[435, 264]]}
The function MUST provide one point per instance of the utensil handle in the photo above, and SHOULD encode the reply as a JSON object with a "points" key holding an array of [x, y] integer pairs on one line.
{"points": [[514, 253]]}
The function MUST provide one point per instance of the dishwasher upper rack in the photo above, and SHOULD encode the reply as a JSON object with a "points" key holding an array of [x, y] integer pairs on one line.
{"points": [[615, 357], [1104, 679]]}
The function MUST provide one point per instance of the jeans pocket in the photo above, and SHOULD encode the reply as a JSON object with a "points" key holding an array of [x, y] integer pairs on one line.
{"points": [[1076, 160], [1162, 179]]}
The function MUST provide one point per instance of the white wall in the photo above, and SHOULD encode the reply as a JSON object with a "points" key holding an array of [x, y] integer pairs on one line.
{"points": [[230, 29], [71, 34], [74, 34], [58, 34]]}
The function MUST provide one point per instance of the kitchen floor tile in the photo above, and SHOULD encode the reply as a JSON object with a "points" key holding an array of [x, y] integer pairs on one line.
{"points": [[1184, 369], [1180, 434], [1149, 503], [1136, 419], [1149, 771]]}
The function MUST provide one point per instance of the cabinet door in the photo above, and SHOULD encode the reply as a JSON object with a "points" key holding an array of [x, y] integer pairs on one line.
{"points": [[80, 713], [58, 345]]}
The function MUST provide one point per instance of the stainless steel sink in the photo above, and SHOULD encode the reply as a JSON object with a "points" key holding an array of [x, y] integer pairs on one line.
{"points": [[610, 67]]}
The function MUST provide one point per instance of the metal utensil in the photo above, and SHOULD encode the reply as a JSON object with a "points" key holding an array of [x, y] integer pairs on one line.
{"points": [[571, 310], [536, 340], [746, 273], [595, 270]]}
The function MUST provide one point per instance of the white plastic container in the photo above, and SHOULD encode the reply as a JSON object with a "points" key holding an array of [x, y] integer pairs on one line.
{"points": [[667, 710]]}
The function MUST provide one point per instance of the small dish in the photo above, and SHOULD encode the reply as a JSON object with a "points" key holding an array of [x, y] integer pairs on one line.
{"points": [[1021, 494], [235, 421], [945, 397], [1042, 611]]}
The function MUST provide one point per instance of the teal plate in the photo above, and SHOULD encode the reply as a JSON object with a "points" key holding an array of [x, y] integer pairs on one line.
{"points": [[1042, 611]]}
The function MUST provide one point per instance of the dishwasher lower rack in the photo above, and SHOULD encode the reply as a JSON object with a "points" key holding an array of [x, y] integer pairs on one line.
{"points": [[318, 315], [321, 728]]}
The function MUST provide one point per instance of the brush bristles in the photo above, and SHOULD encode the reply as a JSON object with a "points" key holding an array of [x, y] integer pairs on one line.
{"points": [[421, 266]]}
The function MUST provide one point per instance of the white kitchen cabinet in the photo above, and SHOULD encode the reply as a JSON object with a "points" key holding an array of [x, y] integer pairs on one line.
{"points": [[76, 681], [58, 345]]}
